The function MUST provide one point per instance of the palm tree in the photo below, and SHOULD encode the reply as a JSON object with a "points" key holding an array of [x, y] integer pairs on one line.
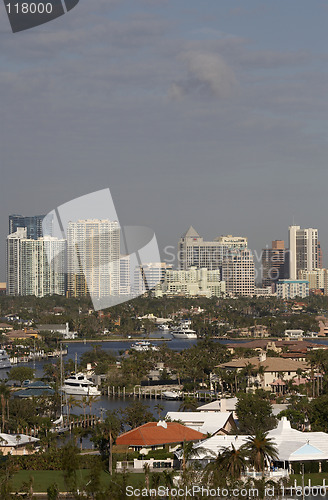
{"points": [[84, 402], [260, 449], [4, 400], [71, 402], [188, 404], [159, 408], [18, 438], [91, 400], [248, 371], [233, 461], [146, 469], [110, 429], [228, 465]]}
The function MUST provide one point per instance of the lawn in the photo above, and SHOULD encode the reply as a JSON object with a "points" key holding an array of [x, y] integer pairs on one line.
{"points": [[316, 478], [43, 479]]}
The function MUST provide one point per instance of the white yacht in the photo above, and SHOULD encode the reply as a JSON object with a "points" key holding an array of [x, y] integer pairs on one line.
{"points": [[171, 395], [143, 345], [183, 333], [80, 385], [4, 359]]}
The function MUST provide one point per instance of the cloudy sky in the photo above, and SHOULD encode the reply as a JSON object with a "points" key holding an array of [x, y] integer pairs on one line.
{"points": [[204, 112]]}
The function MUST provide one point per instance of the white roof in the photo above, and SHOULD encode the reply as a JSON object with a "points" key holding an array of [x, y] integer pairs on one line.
{"points": [[205, 422], [213, 406], [225, 404], [292, 445], [12, 440]]}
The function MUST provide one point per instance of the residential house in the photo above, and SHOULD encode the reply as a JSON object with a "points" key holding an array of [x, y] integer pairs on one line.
{"points": [[206, 422], [157, 436], [274, 368]]}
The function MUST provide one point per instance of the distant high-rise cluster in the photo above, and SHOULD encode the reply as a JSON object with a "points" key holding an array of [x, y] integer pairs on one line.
{"points": [[89, 261]]}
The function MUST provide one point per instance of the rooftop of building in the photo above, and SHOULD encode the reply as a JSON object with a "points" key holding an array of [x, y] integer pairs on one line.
{"points": [[158, 433]]}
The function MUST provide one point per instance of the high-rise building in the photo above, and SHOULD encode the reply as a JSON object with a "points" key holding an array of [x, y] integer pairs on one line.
{"points": [[230, 241], [290, 289], [193, 251], [303, 250], [33, 225], [193, 282], [148, 275], [238, 271], [320, 256], [35, 267], [274, 263], [14, 261], [93, 258], [125, 275], [43, 266]]}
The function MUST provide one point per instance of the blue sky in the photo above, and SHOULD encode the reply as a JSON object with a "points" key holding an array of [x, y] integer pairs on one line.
{"points": [[208, 112]]}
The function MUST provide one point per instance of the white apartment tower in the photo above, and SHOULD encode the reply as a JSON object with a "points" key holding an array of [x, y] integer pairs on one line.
{"points": [[93, 258], [43, 266], [35, 266], [14, 261], [125, 275], [303, 250]]}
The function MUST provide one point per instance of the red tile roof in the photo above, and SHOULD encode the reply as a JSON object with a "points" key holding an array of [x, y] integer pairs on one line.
{"points": [[151, 434]]}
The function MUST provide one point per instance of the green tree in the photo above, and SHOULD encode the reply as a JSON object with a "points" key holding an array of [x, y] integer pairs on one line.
{"points": [[93, 486], [4, 400], [136, 414], [106, 433], [254, 414], [70, 464], [21, 373], [227, 466], [188, 404], [53, 492], [318, 413]]}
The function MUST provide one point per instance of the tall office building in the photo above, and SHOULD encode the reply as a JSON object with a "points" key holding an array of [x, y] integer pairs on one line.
{"points": [[193, 251], [93, 258], [303, 250], [33, 225], [238, 271], [274, 263], [35, 267]]}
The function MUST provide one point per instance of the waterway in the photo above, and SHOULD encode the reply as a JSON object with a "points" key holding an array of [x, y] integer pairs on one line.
{"points": [[76, 349]]}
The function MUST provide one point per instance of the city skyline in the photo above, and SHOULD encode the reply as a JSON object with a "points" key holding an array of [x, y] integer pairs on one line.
{"points": [[89, 260], [190, 115]]}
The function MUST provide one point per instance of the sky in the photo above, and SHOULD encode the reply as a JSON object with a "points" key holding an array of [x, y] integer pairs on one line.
{"points": [[208, 113]]}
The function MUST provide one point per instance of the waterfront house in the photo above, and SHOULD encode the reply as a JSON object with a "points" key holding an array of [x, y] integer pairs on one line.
{"points": [[274, 368], [161, 435], [206, 422], [17, 444], [292, 446]]}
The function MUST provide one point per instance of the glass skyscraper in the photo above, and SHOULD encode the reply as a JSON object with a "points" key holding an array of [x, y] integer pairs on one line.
{"points": [[33, 225]]}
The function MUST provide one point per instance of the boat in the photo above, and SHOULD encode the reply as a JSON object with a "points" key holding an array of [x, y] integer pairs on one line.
{"points": [[183, 333], [171, 395], [143, 346], [79, 385], [4, 359], [163, 327]]}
